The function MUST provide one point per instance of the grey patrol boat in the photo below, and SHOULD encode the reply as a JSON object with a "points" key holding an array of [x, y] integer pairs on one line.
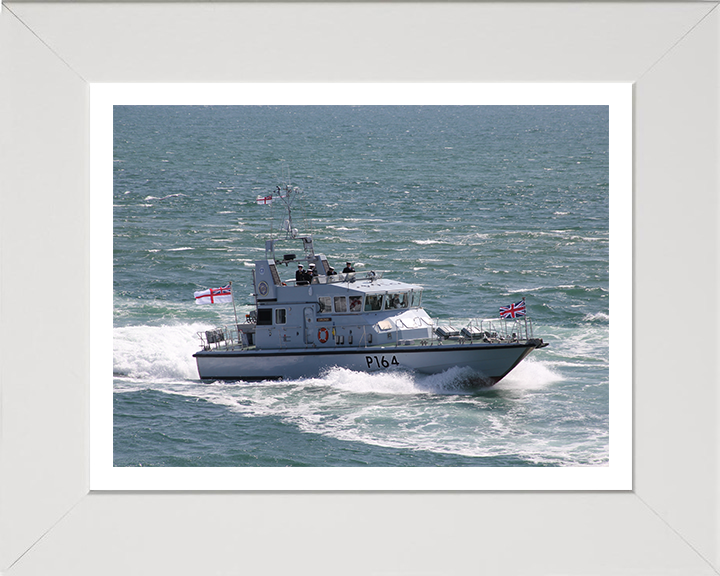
{"points": [[358, 321]]}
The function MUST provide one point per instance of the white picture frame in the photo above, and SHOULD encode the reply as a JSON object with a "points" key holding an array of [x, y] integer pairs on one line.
{"points": [[50, 521]]}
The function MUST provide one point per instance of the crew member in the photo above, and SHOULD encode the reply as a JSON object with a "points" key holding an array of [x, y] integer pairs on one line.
{"points": [[301, 277], [348, 268]]}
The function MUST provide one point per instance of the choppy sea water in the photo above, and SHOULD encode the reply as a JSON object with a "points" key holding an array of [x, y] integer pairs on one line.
{"points": [[480, 205]]}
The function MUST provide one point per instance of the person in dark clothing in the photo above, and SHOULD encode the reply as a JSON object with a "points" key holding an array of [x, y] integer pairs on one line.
{"points": [[301, 276], [348, 268], [312, 273], [331, 271]]}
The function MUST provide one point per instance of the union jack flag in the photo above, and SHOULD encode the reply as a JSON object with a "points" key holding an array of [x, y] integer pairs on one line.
{"points": [[514, 310], [214, 295]]}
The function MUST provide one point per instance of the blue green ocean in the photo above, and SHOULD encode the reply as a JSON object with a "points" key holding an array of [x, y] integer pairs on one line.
{"points": [[481, 205]]}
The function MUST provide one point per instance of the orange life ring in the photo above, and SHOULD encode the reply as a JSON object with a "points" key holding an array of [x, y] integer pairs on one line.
{"points": [[323, 335]]}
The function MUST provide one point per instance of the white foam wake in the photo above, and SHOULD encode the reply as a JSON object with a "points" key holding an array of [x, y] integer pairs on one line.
{"points": [[156, 352], [530, 374]]}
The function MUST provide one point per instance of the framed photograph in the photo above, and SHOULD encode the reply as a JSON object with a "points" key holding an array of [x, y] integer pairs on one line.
{"points": [[534, 182], [77, 489]]}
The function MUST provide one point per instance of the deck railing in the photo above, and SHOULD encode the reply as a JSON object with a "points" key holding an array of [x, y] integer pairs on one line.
{"points": [[338, 278], [492, 330], [223, 338]]}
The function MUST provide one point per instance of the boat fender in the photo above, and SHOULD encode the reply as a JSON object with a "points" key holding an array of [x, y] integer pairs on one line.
{"points": [[323, 335]]}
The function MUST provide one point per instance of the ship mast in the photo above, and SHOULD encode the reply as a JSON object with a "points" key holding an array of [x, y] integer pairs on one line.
{"points": [[289, 196]]}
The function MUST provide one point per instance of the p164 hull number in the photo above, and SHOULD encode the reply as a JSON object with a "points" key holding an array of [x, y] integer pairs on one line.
{"points": [[381, 361]]}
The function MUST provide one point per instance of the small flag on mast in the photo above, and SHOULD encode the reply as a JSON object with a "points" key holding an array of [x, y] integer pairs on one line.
{"points": [[214, 295], [514, 310], [264, 199]]}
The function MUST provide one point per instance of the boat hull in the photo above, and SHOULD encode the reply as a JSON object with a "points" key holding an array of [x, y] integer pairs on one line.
{"points": [[490, 362]]}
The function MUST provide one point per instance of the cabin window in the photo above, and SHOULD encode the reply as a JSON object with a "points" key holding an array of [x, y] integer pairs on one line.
{"points": [[373, 302], [264, 317], [396, 301], [280, 316], [325, 304], [340, 304], [416, 297], [356, 303]]}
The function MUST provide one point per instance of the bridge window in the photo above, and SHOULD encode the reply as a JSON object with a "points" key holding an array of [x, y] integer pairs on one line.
{"points": [[356, 303], [340, 304], [416, 297], [397, 301], [280, 316], [373, 302]]}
